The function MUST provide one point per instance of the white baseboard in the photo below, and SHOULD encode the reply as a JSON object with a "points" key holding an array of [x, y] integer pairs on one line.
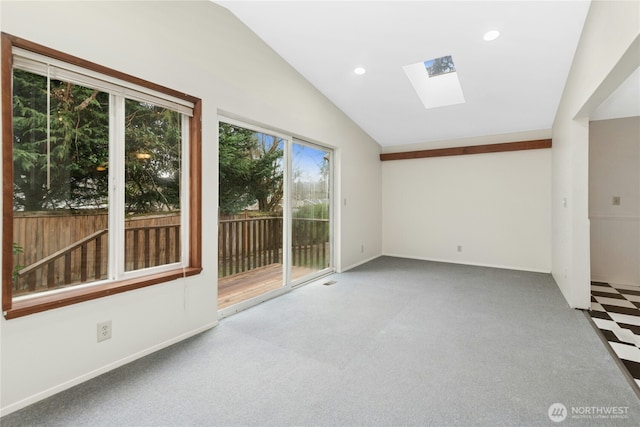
{"points": [[97, 372], [504, 267], [342, 270]]}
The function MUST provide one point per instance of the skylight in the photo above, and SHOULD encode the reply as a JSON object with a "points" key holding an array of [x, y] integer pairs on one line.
{"points": [[436, 82], [438, 66]]}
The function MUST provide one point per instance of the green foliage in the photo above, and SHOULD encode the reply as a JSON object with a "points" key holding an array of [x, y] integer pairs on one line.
{"points": [[249, 170], [17, 249], [302, 230], [313, 211], [235, 168], [79, 141], [153, 183], [267, 177], [70, 171]]}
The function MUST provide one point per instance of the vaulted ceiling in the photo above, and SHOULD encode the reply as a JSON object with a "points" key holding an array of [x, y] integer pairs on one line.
{"points": [[511, 84]]}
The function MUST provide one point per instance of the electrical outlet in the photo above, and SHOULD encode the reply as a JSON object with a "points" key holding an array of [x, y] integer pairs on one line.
{"points": [[361, 249], [104, 330], [459, 248], [615, 200]]}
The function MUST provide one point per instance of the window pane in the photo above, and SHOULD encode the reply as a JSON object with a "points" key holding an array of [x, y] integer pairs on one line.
{"points": [[310, 205], [153, 137], [60, 184]]}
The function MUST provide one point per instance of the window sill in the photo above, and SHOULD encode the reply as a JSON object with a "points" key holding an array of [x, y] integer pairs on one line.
{"points": [[50, 302]]}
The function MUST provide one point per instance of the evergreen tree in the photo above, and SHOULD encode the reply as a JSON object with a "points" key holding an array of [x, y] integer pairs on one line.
{"points": [[152, 165], [69, 170], [267, 177], [66, 175], [250, 170], [235, 168]]}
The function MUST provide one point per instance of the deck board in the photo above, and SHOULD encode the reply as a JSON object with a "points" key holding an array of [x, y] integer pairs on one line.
{"points": [[242, 286]]}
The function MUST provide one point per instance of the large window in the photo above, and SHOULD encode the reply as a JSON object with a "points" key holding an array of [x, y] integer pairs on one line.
{"points": [[105, 174]]}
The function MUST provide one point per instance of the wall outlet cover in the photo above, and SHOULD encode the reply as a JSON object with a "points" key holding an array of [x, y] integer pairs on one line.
{"points": [[104, 330]]}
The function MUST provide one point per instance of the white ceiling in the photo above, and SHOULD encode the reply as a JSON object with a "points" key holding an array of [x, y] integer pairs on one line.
{"points": [[512, 84]]}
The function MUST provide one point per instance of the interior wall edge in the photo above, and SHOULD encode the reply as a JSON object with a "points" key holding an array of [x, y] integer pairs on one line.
{"points": [[597, 66], [628, 63], [557, 280]]}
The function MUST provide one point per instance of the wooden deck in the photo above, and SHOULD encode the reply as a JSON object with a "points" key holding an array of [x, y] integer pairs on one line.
{"points": [[243, 286]]}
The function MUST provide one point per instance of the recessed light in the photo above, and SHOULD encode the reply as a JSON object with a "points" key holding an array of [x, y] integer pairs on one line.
{"points": [[491, 35], [359, 71]]}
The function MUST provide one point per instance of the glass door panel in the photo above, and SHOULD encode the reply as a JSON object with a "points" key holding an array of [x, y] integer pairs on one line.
{"points": [[310, 210], [250, 229]]}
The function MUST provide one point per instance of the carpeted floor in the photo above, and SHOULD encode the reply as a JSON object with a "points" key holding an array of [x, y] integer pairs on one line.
{"points": [[615, 309], [394, 342]]}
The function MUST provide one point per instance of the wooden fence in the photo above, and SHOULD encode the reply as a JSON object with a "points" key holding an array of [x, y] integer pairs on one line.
{"points": [[248, 243], [310, 243], [62, 250], [245, 244]]}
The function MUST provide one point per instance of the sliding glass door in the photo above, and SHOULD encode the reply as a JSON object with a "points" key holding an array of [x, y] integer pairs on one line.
{"points": [[275, 213]]}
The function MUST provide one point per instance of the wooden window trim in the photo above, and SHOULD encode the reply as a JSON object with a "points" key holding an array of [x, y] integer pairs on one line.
{"points": [[473, 149], [48, 301]]}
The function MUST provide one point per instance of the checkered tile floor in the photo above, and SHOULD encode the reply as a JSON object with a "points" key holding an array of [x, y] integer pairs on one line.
{"points": [[615, 309]]}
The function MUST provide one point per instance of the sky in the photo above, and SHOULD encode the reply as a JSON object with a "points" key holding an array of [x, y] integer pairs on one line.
{"points": [[308, 161]]}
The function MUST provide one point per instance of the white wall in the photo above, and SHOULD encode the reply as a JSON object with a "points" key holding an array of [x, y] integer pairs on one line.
{"points": [[614, 170], [201, 49], [495, 206], [606, 55]]}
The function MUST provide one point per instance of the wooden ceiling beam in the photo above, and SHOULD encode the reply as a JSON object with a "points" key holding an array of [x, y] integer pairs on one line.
{"points": [[473, 149]]}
